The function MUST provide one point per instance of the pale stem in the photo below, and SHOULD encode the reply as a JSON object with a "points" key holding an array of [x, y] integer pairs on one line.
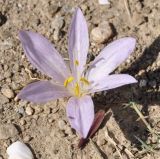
{"points": [[112, 142], [142, 118], [126, 3]]}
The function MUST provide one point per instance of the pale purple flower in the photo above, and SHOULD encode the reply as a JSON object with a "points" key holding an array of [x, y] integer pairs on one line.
{"points": [[78, 81]]}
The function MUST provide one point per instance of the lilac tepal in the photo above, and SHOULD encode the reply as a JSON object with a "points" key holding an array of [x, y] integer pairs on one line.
{"points": [[76, 81]]}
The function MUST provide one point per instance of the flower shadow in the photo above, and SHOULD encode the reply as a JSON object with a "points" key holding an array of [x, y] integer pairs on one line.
{"points": [[115, 99]]}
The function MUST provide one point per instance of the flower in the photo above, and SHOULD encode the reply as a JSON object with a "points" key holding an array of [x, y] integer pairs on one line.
{"points": [[19, 150], [78, 81]]}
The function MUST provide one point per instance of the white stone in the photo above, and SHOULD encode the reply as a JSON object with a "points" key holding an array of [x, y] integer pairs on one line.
{"points": [[29, 111], [19, 150], [103, 2]]}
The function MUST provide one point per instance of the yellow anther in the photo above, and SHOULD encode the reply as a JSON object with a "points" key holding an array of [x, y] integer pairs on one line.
{"points": [[68, 80], [76, 62], [84, 80], [77, 90]]}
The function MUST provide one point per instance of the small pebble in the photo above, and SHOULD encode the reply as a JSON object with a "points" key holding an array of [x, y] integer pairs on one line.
{"points": [[3, 99], [27, 138], [20, 110], [47, 110], [142, 83], [7, 92], [61, 124], [60, 134], [52, 9], [50, 120], [22, 122], [7, 131], [68, 131], [38, 110], [102, 33], [29, 110], [141, 73]]}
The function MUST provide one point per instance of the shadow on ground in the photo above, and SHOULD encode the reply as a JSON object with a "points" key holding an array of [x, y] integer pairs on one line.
{"points": [[145, 96]]}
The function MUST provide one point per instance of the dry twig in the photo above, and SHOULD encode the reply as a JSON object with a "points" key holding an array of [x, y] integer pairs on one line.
{"points": [[113, 143], [126, 4]]}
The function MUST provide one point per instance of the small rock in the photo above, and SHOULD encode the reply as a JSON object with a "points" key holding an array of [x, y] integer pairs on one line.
{"points": [[20, 110], [141, 73], [47, 110], [84, 8], [38, 110], [142, 83], [3, 99], [29, 110], [56, 35], [61, 124], [27, 138], [50, 120], [35, 117], [7, 74], [138, 6], [57, 24], [60, 134], [7, 131], [7, 92], [52, 9], [102, 33], [22, 122], [68, 131], [55, 109]]}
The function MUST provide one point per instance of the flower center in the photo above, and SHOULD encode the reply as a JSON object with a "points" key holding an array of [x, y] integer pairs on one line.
{"points": [[76, 88]]}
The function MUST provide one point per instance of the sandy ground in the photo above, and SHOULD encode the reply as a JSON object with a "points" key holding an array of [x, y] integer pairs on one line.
{"points": [[45, 128]]}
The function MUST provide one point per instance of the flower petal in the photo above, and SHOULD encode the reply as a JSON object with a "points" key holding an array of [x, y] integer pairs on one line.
{"points": [[78, 43], [110, 58], [99, 116], [80, 112], [42, 91], [43, 55], [112, 81], [19, 150]]}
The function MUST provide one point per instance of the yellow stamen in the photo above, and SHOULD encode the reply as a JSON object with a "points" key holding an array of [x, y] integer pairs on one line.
{"points": [[76, 62], [84, 80], [68, 80], [77, 90]]}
